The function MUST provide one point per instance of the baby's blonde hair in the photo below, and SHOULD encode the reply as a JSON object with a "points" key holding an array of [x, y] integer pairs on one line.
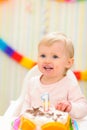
{"points": [[53, 37]]}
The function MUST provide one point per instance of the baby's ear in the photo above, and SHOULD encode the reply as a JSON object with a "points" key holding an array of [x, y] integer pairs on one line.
{"points": [[70, 63]]}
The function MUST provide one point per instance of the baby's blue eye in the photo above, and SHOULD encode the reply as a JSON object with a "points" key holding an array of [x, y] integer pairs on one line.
{"points": [[55, 56], [42, 56]]}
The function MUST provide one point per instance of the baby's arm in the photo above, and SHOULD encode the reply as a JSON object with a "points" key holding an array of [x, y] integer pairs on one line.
{"points": [[78, 102], [75, 104]]}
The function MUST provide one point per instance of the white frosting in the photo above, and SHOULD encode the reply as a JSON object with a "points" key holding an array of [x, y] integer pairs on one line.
{"points": [[51, 116]]}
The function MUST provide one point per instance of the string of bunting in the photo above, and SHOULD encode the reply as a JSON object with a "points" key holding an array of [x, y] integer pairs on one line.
{"points": [[55, 0], [2, 1], [69, 0], [28, 63], [24, 61]]}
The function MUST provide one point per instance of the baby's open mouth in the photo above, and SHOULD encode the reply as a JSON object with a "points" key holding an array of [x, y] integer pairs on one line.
{"points": [[48, 68]]}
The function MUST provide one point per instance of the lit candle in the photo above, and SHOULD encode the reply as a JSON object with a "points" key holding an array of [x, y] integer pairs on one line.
{"points": [[45, 98]]}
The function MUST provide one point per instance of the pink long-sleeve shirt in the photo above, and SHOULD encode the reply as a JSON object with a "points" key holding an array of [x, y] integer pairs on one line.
{"points": [[64, 89]]}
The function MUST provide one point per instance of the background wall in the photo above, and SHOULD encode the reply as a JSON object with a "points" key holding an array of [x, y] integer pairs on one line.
{"points": [[23, 23]]}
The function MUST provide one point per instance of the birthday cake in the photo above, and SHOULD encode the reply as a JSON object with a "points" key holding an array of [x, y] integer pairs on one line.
{"points": [[38, 119]]}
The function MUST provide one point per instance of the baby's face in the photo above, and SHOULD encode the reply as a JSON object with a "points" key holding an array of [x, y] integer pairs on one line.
{"points": [[53, 60]]}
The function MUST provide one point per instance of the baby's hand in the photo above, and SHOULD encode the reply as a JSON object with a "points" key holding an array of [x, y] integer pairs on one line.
{"points": [[64, 106]]}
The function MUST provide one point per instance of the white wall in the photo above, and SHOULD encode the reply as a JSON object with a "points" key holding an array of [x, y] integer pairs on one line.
{"points": [[23, 23]]}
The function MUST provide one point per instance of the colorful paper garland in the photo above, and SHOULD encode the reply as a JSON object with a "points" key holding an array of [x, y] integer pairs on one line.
{"points": [[81, 75], [28, 63], [2, 1], [69, 0], [55, 0], [24, 61]]}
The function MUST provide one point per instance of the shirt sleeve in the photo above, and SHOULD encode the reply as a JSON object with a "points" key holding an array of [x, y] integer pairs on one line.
{"points": [[78, 101]]}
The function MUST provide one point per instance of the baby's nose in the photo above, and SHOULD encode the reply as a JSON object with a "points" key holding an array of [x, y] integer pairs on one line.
{"points": [[48, 60]]}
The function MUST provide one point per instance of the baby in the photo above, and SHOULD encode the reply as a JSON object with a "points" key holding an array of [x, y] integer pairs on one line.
{"points": [[55, 57]]}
